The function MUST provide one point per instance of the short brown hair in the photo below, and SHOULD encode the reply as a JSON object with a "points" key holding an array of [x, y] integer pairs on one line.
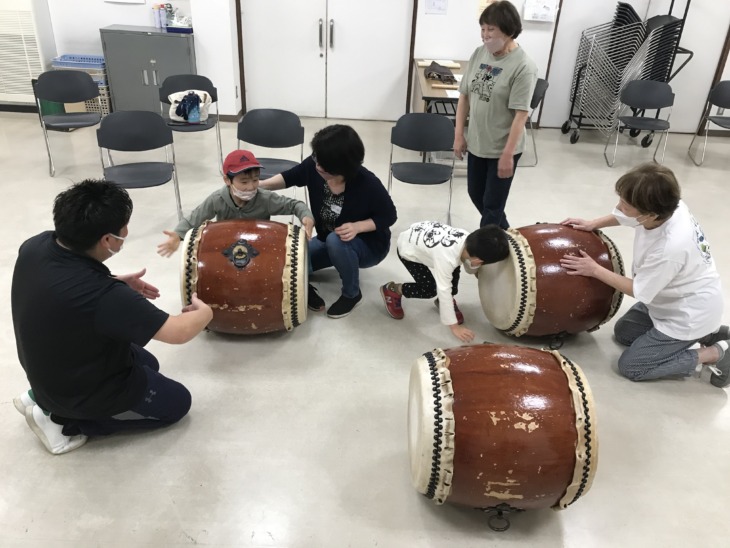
{"points": [[504, 16], [650, 188]]}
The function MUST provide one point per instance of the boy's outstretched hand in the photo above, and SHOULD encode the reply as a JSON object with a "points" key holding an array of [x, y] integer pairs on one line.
{"points": [[462, 333], [169, 246]]}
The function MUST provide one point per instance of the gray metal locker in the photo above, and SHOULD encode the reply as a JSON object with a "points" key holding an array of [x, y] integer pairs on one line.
{"points": [[138, 59]]}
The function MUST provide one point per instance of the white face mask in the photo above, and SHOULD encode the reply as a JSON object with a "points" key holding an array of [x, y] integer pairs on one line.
{"points": [[244, 195], [120, 247], [625, 220], [494, 45]]}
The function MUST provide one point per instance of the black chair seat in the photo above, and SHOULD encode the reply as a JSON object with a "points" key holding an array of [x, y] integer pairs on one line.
{"points": [[71, 120], [646, 124], [722, 121], [420, 173], [139, 175], [209, 123], [274, 166]]}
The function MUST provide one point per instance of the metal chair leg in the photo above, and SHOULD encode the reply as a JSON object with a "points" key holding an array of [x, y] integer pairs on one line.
{"points": [[390, 170], [218, 137], [615, 148], [704, 148], [175, 183], [534, 144], [51, 167], [664, 150], [451, 191]]}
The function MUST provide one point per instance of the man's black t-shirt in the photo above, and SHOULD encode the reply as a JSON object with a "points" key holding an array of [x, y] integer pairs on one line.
{"points": [[73, 327]]}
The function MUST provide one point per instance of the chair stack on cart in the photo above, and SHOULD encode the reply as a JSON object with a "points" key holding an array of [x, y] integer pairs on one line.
{"points": [[615, 53]]}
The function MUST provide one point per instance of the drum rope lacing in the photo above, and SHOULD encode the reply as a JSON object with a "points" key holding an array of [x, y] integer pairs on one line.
{"points": [[293, 283], [189, 265], [522, 308], [438, 423], [586, 427]]}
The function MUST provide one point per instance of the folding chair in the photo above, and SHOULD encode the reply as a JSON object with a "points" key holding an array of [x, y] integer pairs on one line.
{"points": [[538, 95], [720, 98], [65, 86], [186, 82], [272, 128], [137, 131], [641, 95], [423, 132]]}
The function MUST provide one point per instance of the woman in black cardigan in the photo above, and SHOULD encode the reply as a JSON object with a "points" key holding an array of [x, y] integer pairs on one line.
{"points": [[352, 210]]}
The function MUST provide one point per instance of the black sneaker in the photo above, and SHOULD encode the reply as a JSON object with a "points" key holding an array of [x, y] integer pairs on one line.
{"points": [[721, 334], [314, 301], [723, 379], [343, 306]]}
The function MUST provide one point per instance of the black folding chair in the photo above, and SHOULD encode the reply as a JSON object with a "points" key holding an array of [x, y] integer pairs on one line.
{"points": [[642, 95], [538, 95], [137, 131], [65, 86], [187, 82], [423, 132], [272, 128], [720, 98]]}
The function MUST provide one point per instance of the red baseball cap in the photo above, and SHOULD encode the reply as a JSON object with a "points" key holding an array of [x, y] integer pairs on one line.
{"points": [[239, 161]]}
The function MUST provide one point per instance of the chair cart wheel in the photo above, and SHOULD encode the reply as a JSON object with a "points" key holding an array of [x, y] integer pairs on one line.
{"points": [[574, 137], [646, 141], [634, 132], [565, 128]]}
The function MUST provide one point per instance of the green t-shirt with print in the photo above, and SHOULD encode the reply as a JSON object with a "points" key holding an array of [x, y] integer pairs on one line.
{"points": [[496, 88]]}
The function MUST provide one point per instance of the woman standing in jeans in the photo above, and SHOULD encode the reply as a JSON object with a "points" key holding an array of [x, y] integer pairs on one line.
{"points": [[495, 94], [352, 211]]}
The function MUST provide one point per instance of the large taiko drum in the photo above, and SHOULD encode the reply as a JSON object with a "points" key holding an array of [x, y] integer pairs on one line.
{"points": [[530, 293], [252, 273], [501, 427]]}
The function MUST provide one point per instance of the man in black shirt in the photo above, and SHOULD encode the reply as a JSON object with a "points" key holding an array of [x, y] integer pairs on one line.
{"points": [[80, 331]]}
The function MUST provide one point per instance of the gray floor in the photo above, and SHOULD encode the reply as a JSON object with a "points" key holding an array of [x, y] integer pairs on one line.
{"points": [[299, 439]]}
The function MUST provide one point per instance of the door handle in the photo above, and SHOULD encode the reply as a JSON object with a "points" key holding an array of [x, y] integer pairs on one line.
{"points": [[145, 79], [332, 33], [154, 78], [321, 29]]}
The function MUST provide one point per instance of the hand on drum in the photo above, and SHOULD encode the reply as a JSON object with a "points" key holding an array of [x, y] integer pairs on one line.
{"points": [[581, 266], [462, 333], [347, 231], [195, 304], [169, 246], [308, 225], [579, 224], [135, 281]]}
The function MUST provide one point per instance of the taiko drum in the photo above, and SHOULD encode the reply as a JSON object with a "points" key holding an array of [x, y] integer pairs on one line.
{"points": [[501, 427], [530, 293], [252, 273]]}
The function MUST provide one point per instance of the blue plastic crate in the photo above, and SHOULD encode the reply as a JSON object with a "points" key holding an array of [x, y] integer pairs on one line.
{"points": [[79, 61]]}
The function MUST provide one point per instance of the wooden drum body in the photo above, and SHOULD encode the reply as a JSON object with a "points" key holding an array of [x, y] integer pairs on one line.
{"points": [[501, 427], [530, 293], [252, 273]]}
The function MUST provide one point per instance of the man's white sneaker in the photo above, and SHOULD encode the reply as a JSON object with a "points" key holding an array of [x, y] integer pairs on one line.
{"points": [[50, 433]]}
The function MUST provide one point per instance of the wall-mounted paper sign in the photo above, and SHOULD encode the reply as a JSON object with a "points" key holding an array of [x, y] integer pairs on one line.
{"points": [[125, 1], [437, 7], [481, 6], [539, 10]]}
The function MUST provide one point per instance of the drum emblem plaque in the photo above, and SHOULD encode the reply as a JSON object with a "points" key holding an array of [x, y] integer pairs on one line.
{"points": [[240, 253]]}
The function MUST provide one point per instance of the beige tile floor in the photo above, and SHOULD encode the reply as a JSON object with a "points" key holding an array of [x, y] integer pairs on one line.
{"points": [[299, 439]]}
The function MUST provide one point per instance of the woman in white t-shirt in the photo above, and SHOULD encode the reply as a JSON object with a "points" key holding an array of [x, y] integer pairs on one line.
{"points": [[674, 328]]}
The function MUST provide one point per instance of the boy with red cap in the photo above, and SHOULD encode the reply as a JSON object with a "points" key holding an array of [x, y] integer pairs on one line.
{"points": [[240, 198]]}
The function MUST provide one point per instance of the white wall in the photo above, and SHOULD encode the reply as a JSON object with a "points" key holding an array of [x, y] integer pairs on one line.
{"points": [[456, 34], [76, 23], [704, 33], [216, 50]]}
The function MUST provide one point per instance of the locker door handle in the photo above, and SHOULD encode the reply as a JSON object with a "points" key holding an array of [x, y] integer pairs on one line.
{"points": [[154, 78], [321, 30], [332, 33], [145, 79]]}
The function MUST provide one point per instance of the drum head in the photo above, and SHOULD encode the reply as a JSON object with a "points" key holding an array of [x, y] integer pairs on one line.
{"points": [[420, 427]]}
